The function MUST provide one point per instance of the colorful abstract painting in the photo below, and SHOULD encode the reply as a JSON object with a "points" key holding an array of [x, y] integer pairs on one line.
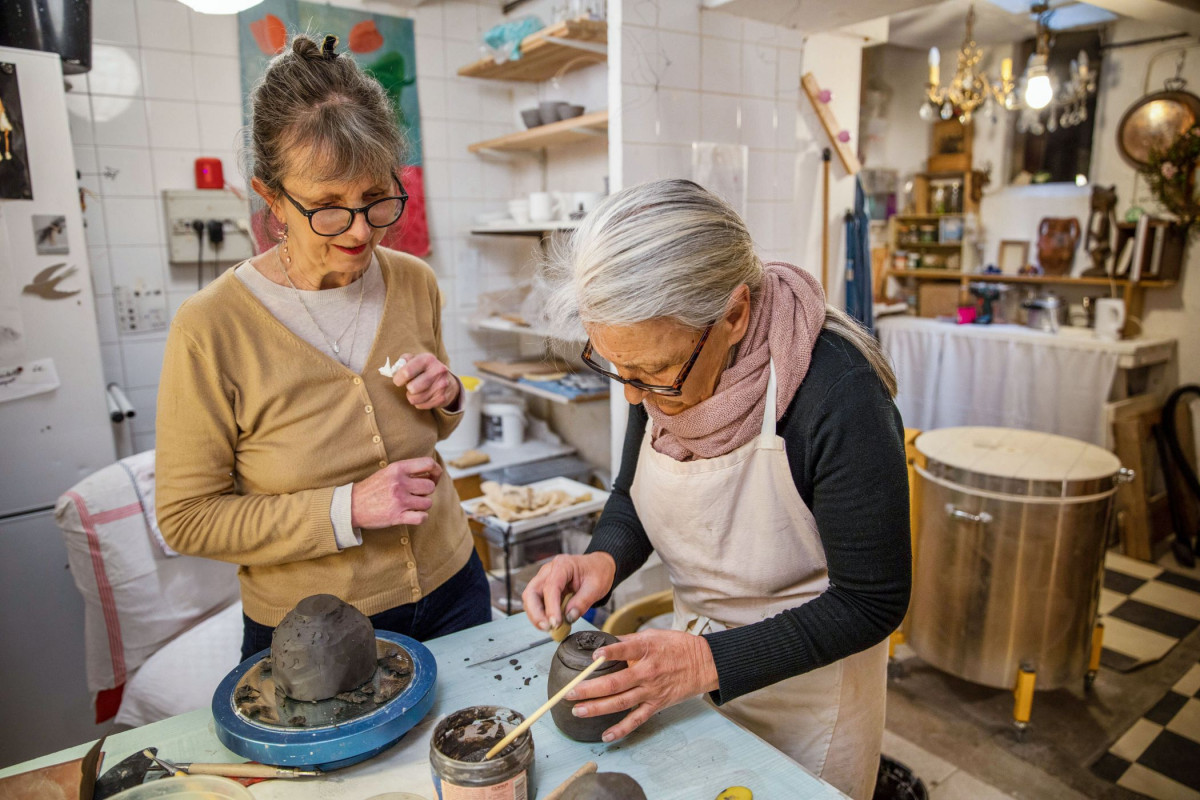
{"points": [[383, 46]]}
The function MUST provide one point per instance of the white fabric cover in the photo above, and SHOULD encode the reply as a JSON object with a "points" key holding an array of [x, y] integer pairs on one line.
{"points": [[183, 675], [136, 599], [998, 375]]}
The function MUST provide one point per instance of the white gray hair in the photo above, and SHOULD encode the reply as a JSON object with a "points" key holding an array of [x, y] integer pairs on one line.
{"points": [[667, 249]]}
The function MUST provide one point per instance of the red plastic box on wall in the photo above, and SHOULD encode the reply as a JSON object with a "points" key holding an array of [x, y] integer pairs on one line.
{"points": [[209, 174]]}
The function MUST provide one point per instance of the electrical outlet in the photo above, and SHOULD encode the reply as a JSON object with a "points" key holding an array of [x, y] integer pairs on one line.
{"points": [[185, 206], [139, 309]]}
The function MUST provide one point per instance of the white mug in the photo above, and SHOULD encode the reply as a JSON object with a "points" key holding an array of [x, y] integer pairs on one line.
{"points": [[541, 206], [1110, 318], [585, 201], [519, 210]]}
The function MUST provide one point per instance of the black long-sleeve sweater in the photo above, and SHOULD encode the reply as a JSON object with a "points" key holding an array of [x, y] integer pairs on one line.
{"points": [[845, 445]]}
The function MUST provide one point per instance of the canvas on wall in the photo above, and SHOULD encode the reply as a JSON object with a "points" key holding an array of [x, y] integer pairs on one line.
{"points": [[384, 47], [14, 161]]}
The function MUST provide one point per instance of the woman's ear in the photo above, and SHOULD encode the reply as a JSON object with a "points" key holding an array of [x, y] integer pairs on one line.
{"points": [[737, 314], [267, 195]]}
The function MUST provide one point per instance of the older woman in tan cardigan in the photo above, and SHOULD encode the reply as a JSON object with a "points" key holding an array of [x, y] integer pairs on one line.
{"points": [[281, 446]]}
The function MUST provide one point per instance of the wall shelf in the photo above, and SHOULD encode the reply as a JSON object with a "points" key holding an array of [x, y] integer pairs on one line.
{"points": [[505, 326], [542, 393], [532, 229], [1052, 280], [565, 46], [576, 129]]}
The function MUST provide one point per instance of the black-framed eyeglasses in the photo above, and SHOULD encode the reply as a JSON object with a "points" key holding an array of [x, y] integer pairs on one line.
{"points": [[336, 220], [676, 387]]}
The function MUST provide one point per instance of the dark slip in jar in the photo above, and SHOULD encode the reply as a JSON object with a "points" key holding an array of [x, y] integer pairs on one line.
{"points": [[462, 739], [572, 656]]}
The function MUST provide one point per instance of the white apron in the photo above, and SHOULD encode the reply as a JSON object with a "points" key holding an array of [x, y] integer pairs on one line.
{"points": [[740, 546]]}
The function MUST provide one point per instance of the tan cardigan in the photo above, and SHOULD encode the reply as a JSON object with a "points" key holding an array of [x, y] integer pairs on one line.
{"points": [[256, 428]]}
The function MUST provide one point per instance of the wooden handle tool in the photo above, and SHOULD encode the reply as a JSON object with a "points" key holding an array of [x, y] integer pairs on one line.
{"points": [[249, 770], [535, 716], [563, 629], [586, 769]]}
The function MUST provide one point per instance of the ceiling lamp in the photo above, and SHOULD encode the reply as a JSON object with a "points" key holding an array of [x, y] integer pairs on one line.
{"points": [[970, 87], [1047, 106], [220, 6]]}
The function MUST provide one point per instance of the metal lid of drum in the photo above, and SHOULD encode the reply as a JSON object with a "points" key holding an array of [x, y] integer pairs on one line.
{"points": [[1018, 462]]}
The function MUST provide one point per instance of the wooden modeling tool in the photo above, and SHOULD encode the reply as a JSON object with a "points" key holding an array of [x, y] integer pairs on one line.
{"points": [[586, 769], [549, 704], [247, 769], [563, 630]]}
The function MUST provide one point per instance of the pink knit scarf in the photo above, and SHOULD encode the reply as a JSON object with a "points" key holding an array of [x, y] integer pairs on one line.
{"points": [[784, 323]]}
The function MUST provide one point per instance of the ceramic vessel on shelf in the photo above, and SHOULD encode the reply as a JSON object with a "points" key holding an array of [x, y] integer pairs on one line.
{"points": [[567, 111], [531, 117], [548, 110], [1057, 239], [572, 657]]}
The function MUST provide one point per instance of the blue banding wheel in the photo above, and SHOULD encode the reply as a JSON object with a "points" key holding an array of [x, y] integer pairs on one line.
{"points": [[332, 746]]}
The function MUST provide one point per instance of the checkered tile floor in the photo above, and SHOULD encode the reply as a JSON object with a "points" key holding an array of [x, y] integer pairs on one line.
{"points": [[1160, 755], [1146, 610]]}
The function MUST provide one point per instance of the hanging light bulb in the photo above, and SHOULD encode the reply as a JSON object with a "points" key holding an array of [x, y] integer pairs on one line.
{"points": [[1038, 90]]}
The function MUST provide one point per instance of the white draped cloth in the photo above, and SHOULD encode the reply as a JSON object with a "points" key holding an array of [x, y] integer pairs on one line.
{"points": [[999, 375]]}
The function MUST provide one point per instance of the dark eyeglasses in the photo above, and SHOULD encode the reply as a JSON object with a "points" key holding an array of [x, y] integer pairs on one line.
{"points": [[674, 390], [336, 220]]}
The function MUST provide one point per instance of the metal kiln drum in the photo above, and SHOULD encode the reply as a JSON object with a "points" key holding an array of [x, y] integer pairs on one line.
{"points": [[1009, 553]]}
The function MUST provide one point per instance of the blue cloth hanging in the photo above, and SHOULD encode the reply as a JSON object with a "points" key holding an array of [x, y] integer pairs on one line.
{"points": [[859, 286]]}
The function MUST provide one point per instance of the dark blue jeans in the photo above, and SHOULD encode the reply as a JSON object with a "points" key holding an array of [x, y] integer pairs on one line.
{"points": [[462, 602]]}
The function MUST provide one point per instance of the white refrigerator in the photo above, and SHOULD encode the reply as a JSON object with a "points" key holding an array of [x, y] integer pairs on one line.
{"points": [[54, 423]]}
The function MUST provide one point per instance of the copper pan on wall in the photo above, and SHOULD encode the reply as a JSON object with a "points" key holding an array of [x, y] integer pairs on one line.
{"points": [[1154, 123]]}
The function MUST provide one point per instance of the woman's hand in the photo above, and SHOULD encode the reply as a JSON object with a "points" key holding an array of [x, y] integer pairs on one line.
{"points": [[428, 382], [665, 667], [589, 576], [398, 494]]}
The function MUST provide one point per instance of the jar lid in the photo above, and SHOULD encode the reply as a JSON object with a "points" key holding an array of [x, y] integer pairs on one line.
{"points": [[576, 651]]}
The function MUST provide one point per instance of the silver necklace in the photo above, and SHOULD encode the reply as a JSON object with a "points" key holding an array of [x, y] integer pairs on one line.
{"points": [[333, 343]]}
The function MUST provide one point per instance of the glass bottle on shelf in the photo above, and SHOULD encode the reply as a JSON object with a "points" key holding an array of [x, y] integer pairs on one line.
{"points": [[939, 198]]}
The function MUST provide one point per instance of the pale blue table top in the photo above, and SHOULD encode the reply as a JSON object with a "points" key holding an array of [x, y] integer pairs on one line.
{"points": [[688, 752]]}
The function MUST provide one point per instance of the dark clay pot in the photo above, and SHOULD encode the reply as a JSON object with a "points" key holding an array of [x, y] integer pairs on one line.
{"points": [[571, 658], [605, 786], [323, 646]]}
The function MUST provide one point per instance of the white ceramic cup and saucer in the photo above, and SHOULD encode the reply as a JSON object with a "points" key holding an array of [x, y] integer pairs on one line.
{"points": [[1110, 318]]}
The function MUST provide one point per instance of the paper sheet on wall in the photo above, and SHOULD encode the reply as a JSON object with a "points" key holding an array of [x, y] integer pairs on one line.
{"points": [[30, 378], [12, 329], [722, 168]]}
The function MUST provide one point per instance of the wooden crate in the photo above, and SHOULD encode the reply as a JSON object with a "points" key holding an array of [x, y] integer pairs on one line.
{"points": [[951, 146]]}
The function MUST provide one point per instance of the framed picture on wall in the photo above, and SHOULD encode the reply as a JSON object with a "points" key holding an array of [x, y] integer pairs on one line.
{"points": [[1013, 255]]}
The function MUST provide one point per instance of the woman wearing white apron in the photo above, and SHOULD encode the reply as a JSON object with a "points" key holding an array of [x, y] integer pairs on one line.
{"points": [[763, 461]]}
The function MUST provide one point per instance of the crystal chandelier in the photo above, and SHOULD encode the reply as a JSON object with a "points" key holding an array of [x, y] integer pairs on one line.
{"points": [[970, 87], [1045, 106]]}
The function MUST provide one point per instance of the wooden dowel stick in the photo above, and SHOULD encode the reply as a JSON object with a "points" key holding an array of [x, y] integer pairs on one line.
{"points": [[245, 770], [535, 716], [586, 769]]}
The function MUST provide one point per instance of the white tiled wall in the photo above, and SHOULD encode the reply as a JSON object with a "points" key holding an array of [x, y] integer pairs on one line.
{"points": [[689, 75], [165, 90]]}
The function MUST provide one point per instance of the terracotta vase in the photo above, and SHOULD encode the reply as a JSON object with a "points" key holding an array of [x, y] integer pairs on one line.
{"points": [[1057, 240], [572, 656]]}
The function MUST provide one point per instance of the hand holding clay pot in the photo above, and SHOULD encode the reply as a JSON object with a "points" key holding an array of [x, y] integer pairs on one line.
{"points": [[665, 667], [398, 494], [589, 576]]}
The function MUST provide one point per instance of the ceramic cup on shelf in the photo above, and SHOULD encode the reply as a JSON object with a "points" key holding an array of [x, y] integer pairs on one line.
{"points": [[519, 210], [548, 110], [1110, 318], [542, 207]]}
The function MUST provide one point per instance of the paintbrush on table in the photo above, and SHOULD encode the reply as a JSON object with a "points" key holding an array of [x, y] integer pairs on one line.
{"points": [[247, 769]]}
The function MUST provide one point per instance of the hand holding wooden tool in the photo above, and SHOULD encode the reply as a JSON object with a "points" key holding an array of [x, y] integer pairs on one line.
{"points": [[563, 629], [549, 704]]}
